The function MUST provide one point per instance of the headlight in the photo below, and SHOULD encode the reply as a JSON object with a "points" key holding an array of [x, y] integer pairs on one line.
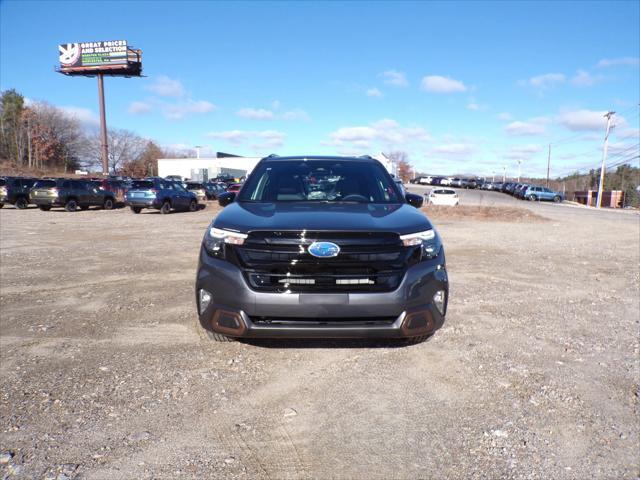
{"points": [[217, 237], [417, 238], [429, 241]]}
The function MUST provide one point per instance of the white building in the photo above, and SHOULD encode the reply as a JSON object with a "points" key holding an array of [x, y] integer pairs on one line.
{"points": [[203, 169]]}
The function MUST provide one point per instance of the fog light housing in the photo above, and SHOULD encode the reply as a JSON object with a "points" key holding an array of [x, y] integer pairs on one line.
{"points": [[204, 298], [439, 300]]}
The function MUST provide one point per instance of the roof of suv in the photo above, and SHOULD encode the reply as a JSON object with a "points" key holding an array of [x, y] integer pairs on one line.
{"points": [[317, 157]]}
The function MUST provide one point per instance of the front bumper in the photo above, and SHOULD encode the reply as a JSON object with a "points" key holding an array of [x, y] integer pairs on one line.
{"points": [[47, 201], [238, 311]]}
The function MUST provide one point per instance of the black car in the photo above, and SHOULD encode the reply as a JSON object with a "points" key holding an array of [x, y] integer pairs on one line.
{"points": [[70, 194], [321, 247], [160, 194], [15, 190]]}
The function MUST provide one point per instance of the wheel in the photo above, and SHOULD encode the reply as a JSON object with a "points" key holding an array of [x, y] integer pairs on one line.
{"points": [[136, 209], [21, 203], [84, 207], [108, 204], [1, 205], [44, 208], [533, 198], [71, 205], [166, 208], [557, 199], [193, 206]]}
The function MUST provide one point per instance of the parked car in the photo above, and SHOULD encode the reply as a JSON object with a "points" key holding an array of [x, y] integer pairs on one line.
{"points": [[15, 190], [518, 192], [117, 187], [234, 187], [443, 196], [70, 194], [174, 178], [281, 260], [445, 181], [160, 194], [212, 190], [535, 192], [198, 189]]}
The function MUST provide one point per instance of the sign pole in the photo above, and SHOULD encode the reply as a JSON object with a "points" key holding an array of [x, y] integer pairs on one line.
{"points": [[103, 127]]}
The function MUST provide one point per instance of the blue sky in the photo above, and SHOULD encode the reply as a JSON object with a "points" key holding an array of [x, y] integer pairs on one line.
{"points": [[462, 87]]}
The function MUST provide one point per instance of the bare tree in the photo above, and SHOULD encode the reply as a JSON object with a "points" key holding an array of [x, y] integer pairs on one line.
{"points": [[402, 161], [124, 147]]}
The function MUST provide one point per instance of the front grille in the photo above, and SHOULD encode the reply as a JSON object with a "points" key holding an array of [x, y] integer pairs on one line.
{"points": [[367, 262]]}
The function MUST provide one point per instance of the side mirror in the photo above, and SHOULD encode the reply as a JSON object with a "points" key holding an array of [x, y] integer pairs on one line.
{"points": [[414, 200], [226, 198]]}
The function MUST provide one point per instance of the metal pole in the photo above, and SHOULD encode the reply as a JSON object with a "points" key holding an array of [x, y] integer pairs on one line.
{"points": [[504, 174], [548, 165], [103, 127], [604, 159], [519, 169]]}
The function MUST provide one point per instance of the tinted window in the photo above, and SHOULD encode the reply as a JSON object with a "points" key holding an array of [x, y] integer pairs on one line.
{"points": [[320, 180], [142, 184], [444, 192], [193, 186], [45, 184], [3, 182]]}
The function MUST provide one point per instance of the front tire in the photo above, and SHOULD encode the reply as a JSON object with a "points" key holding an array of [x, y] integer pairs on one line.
{"points": [[166, 208], [557, 199], [22, 203], [136, 209], [532, 198], [71, 206], [44, 208], [193, 206], [108, 204]]}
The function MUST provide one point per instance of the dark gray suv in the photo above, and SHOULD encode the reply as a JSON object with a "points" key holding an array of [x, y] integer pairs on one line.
{"points": [[321, 247]]}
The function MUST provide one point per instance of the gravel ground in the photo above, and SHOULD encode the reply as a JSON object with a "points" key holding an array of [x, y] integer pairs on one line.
{"points": [[105, 375]]}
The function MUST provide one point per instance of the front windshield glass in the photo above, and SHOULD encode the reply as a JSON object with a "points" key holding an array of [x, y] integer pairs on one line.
{"points": [[320, 181]]}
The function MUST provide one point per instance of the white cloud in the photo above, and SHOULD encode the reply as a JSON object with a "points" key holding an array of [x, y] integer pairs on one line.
{"points": [[257, 140], [386, 133], [612, 62], [166, 87], [473, 106], [83, 115], [522, 152], [546, 81], [137, 108], [255, 114], [533, 126], [628, 133], [179, 110], [373, 92], [439, 84], [263, 114], [454, 149], [584, 79], [583, 120], [394, 78]]}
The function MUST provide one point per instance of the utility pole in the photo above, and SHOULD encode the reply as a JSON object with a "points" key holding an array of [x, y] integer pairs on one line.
{"points": [[103, 127], [493, 176], [504, 174], [608, 115], [198, 147], [548, 165], [519, 169]]}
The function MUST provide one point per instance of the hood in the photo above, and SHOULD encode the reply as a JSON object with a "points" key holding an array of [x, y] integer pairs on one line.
{"points": [[246, 217]]}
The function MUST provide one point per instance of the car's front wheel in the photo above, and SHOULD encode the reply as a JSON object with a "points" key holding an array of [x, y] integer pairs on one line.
{"points": [[71, 206], [193, 206], [557, 199], [136, 209], [22, 203], [108, 204], [533, 198]]}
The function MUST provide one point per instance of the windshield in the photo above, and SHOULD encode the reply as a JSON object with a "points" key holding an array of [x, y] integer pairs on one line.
{"points": [[142, 184], [320, 180]]}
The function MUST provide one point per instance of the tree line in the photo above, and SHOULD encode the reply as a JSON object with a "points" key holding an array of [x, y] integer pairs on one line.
{"points": [[38, 136]]}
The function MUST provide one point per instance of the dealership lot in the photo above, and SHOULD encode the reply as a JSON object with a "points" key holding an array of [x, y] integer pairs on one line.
{"points": [[104, 373]]}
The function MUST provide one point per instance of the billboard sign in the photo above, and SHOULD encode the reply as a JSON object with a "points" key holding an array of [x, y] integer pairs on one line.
{"points": [[93, 54]]}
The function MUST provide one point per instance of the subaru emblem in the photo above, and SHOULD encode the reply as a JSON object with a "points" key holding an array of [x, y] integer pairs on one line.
{"points": [[324, 249]]}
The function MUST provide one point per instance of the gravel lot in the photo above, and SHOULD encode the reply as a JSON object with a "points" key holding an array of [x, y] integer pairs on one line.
{"points": [[104, 373]]}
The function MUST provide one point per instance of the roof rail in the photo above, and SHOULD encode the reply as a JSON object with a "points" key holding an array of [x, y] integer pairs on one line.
{"points": [[271, 155], [366, 156]]}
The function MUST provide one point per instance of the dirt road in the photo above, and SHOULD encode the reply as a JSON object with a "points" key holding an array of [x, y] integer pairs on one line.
{"points": [[103, 373]]}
